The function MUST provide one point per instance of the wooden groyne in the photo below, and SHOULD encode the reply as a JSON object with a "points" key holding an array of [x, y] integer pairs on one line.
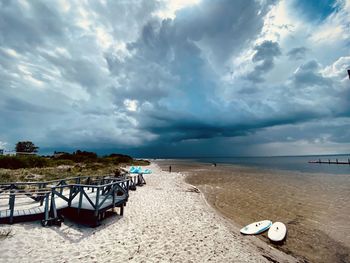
{"points": [[87, 199], [330, 162]]}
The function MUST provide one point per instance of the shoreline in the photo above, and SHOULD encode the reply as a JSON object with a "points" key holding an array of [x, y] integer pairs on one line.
{"points": [[271, 253], [163, 222], [305, 202]]}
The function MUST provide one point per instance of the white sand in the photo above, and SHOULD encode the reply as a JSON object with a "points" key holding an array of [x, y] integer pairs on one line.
{"points": [[162, 222]]}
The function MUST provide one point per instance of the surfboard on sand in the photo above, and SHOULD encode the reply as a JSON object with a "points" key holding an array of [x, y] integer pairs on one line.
{"points": [[256, 227], [277, 232]]}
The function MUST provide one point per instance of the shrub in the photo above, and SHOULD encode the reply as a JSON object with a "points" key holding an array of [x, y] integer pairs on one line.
{"points": [[17, 162], [63, 162], [79, 156], [118, 158]]}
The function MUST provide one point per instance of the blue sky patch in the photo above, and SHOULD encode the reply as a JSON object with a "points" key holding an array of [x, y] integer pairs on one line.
{"points": [[316, 10]]}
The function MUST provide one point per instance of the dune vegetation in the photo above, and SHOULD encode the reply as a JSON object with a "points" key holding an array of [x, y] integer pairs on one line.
{"points": [[62, 165]]}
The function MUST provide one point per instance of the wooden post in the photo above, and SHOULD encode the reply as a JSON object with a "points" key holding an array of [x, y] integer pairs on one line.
{"points": [[86, 182], [12, 206], [113, 197], [96, 206], [12, 187], [47, 197], [80, 199], [61, 189], [97, 200], [53, 205], [43, 196], [329, 161], [336, 160], [70, 196]]}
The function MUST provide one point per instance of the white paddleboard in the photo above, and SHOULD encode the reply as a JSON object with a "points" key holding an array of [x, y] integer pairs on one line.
{"points": [[256, 227], [277, 232]]}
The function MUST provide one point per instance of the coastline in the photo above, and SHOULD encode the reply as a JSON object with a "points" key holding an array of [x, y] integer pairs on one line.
{"points": [[306, 203], [270, 253], [163, 222]]}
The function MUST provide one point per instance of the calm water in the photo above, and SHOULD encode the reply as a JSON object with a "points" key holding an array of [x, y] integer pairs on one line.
{"points": [[291, 163], [314, 202]]}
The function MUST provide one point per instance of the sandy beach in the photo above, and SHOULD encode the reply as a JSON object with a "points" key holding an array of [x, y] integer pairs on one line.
{"points": [[164, 221]]}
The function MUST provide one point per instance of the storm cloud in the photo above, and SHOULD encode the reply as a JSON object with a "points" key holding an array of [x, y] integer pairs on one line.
{"points": [[113, 75], [264, 57]]}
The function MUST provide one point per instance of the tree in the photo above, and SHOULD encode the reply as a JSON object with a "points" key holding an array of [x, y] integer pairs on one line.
{"points": [[27, 147]]}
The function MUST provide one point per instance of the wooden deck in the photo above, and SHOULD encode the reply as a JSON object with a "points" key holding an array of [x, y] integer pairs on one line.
{"points": [[86, 199]]}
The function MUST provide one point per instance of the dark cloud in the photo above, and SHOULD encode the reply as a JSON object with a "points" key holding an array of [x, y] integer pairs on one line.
{"points": [[171, 67], [297, 53], [308, 75], [26, 26], [114, 75], [222, 28], [264, 57]]}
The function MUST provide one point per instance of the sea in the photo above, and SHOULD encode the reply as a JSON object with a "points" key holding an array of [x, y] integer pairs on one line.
{"points": [[289, 163]]}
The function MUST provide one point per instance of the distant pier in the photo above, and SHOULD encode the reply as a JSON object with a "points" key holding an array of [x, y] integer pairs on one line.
{"points": [[330, 161]]}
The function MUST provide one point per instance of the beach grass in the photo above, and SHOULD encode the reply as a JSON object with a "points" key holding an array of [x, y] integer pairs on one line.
{"points": [[37, 168]]}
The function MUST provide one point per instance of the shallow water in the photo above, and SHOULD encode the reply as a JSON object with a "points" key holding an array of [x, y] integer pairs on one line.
{"points": [[315, 207], [291, 163]]}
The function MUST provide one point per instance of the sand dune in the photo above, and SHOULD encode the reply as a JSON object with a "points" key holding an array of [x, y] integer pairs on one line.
{"points": [[163, 222]]}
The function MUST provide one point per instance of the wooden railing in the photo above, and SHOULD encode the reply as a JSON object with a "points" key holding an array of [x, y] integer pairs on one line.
{"points": [[103, 192], [48, 192], [12, 196]]}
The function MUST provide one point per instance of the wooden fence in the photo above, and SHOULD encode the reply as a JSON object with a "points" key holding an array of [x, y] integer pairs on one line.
{"points": [[95, 195]]}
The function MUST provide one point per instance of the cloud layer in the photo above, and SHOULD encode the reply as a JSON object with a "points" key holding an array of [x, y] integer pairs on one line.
{"points": [[121, 75]]}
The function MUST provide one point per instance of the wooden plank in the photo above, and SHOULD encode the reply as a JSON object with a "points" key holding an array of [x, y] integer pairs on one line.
{"points": [[31, 211], [21, 212], [104, 196]]}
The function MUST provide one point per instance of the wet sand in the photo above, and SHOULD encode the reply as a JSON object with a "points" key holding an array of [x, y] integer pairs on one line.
{"points": [[315, 207]]}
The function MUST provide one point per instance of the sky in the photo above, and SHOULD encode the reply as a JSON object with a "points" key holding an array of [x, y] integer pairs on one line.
{"points": [[156, 78]]}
